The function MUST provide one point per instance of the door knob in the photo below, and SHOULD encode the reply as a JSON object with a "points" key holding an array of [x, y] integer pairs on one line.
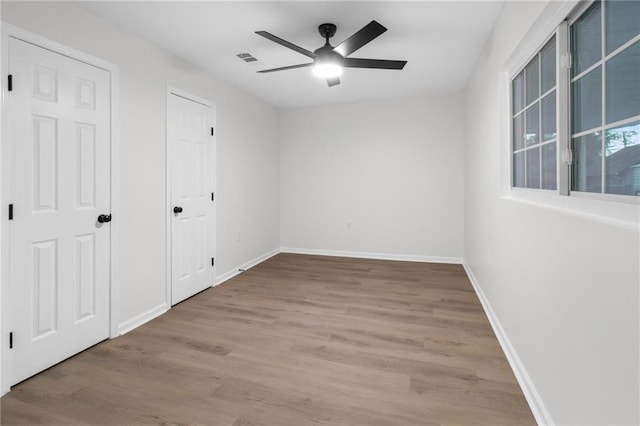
{"points": [[177, 209], [104, 218]]}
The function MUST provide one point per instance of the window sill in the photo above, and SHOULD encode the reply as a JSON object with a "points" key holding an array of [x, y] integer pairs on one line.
{"points": [[619, 214]]}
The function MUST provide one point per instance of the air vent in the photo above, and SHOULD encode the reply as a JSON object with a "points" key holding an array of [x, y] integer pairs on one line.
{"points": [[247, 57]]}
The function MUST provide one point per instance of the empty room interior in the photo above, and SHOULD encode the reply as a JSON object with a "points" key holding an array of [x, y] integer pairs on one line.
{"points": [[320, 212]]}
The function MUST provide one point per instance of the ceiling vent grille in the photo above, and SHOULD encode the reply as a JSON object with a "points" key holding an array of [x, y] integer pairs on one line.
{"points": [[247, 57]]}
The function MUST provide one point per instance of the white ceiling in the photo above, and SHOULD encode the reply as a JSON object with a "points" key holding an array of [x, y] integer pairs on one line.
{"points": [[441, 41]]}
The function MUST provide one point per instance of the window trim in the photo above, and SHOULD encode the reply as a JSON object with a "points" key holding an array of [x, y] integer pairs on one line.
{"points": [[511, 75], [572, 17], [556, 20]]}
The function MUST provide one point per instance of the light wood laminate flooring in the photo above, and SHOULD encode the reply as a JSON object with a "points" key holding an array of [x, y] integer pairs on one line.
{"points": [[297, 340]]}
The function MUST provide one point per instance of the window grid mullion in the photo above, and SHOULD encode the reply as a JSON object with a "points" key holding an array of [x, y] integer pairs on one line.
{"points": [[604, 99], [524, 142], [563, 112], [540, 119], [620, 49], [606, 57], [524, 125], [587, 71], [539, 98]]}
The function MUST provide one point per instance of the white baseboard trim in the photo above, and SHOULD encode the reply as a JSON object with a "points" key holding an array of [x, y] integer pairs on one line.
{"points": [[143, 318], [247, 265], [152, 313], [539, 410], [368, 255]]}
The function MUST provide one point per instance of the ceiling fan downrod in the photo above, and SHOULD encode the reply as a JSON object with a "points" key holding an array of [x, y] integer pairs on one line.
{"points": [[327, 31]]}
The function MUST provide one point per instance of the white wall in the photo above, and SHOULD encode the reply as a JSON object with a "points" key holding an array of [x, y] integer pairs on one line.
{"points": [[247, 152], [563, 285], [562, 278], [391, 168]]}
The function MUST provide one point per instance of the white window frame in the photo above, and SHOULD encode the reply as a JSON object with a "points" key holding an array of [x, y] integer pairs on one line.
{"points": [[575, 14], [560, 134], [596, 208], [556, 20]]}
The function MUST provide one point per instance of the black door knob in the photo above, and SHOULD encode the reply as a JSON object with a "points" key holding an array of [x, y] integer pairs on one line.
{"points": [[104, 218], [177, 209]]}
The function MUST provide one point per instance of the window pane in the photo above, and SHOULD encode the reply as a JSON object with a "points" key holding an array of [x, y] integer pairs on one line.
{"points": [[622, 22], [623, 84], [518, 170], [532, 87], [549, 162], [549, 116], [518, 93], [532, 123], [518, 132], [533, 168], [587, 163], [548, 66], [587, 101], [586, 40], [622, 150]]}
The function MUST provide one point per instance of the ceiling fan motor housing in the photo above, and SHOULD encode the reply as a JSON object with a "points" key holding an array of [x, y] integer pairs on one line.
{"points": [[327, 54], [327, 30], [327, 63]]}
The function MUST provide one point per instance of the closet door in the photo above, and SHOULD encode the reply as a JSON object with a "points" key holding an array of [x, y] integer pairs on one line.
{"points": [[190, 150], [59, 185]]}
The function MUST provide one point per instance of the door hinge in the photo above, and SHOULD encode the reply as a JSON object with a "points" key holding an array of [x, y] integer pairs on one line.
{"points": [[213, 261], [10, 211], [567, 157], [10, 83], [212, 131], [213, 197], [566, 60], [11, 340]]}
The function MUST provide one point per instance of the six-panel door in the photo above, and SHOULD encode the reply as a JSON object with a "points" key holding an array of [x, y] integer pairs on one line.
{"points": [[190, 151], [59, 172]]}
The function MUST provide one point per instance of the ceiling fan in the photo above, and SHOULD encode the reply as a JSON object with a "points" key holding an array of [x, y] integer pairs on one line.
{"points": [[328, 61]]}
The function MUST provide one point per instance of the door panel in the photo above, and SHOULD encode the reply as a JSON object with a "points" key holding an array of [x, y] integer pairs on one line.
{"points": [[191, 180], [59, 182], [45, 284], [45, 146], [86, 166], [85, 279]]}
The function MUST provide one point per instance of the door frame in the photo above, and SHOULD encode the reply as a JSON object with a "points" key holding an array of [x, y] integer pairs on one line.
{"points": [[11, 31], [171, 90]]}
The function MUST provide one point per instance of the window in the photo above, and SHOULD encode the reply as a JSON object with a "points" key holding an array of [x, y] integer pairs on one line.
{"points": [[605, 103], [534, 121], [603, 96]]}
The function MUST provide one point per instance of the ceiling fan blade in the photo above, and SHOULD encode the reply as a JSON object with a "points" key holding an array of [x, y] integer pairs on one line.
{"points": [[373, 63], [367, 33], [290, 67], [333, 81], [285, 43]]}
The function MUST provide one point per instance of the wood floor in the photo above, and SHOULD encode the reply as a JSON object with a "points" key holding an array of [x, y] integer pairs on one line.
{"points": [[297, 340]]}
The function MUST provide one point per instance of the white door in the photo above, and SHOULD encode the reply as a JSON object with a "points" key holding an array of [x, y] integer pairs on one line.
{"points": [[59, 183], [191, 168]]}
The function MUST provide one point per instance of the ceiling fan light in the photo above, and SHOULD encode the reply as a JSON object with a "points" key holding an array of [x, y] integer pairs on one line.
{"points": [[327, 70]]}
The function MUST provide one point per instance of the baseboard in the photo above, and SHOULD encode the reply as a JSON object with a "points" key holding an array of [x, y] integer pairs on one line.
{"points": [[152, 313], [144, 317], [539, 410], [247, 265], [369, 255]]}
